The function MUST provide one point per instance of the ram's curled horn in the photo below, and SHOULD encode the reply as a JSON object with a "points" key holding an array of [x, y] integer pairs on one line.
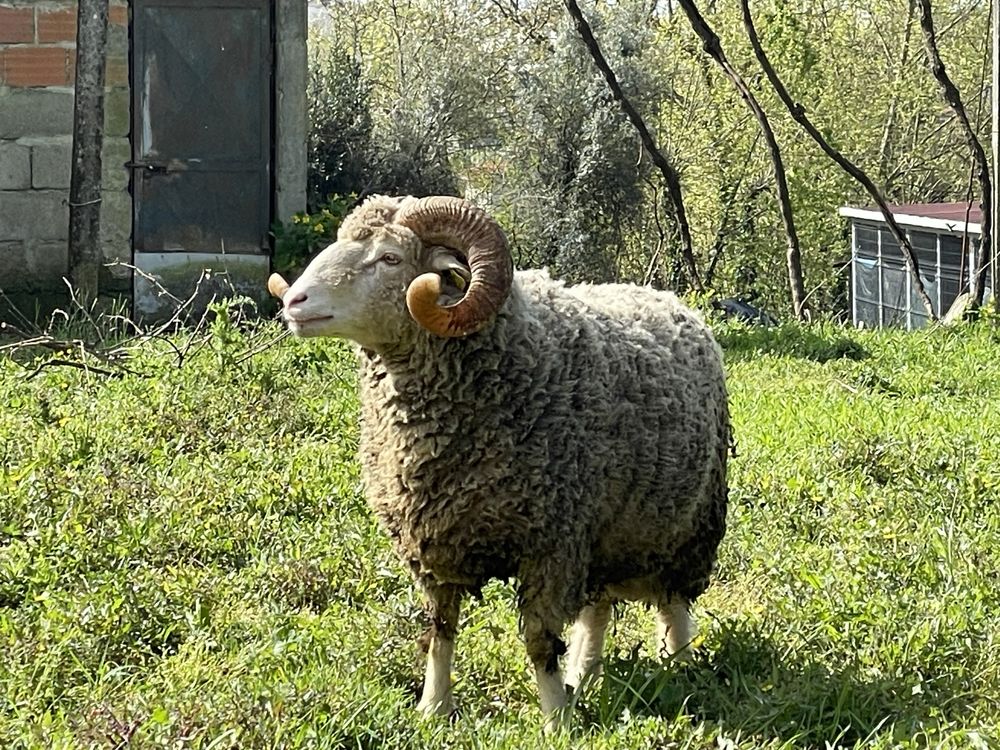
{"points": [[457, 223], [277, 285]]}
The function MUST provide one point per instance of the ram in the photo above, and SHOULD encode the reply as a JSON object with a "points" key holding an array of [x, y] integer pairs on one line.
{"points": [[573, 438]]}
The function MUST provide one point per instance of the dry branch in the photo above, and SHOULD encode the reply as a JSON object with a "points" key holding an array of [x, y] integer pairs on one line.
{"points": [[670, 175], [798, 113]]}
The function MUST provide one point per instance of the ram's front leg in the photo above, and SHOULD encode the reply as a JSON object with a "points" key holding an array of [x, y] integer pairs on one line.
{"points": [[443, 605]]}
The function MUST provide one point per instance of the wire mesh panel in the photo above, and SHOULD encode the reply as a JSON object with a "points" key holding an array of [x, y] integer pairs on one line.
{"points": [[865, 287]]}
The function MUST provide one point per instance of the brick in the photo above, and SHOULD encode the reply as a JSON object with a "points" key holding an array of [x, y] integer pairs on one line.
{"points": [[50, 165], [56, 25], [118, 15], [17, 25], [116, 72], [35, 66], [15, 166], [34, 215], [35, 112], [118, 41]]}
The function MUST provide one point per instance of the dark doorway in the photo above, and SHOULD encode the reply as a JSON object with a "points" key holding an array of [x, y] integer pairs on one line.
{"points": [[201, 140]]}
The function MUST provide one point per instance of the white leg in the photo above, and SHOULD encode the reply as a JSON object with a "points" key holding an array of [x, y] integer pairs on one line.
{"points": [[552, 695], [443, 604], [436, 698], [674, 629], [541, 636], [587, 643]]}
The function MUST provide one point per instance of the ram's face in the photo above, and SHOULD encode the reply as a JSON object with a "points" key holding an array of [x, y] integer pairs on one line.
{"points": [[439, 263], [356, 289]]}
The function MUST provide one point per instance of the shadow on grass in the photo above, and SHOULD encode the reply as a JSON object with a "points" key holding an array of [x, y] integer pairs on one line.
{"points": [[748, 686], [819, 343]]}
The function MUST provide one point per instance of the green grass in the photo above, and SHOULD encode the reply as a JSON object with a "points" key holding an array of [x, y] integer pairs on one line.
{"points": [[186, 560]]}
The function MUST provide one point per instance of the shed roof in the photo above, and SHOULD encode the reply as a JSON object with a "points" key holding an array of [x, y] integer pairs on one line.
{"points": [[947, 217]]}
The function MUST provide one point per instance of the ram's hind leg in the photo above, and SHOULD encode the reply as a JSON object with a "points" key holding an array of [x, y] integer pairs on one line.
{"points": [[541, 637], [443, 604], [674, 628], [587, 642]]}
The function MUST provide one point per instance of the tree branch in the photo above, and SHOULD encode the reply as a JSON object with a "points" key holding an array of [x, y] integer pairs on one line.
{"points": [[713, 47], [954, 100], [670, 175], [798, 113]]}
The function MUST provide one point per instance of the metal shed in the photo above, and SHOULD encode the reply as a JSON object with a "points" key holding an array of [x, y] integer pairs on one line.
{"points": [[945, 238]]}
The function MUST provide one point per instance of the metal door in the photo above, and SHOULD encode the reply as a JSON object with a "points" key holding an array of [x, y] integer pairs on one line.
{"points": [[201, 135]]}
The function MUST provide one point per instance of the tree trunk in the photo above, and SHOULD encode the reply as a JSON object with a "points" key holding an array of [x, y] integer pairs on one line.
{"points": [[670, 175], [954, 100], [88, 139], [798, 113], [713, 47]]}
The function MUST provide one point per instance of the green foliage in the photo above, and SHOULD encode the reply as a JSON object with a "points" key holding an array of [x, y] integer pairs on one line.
{"points": [[187, 560], [340, 124], [298, 240], [500, 102]]}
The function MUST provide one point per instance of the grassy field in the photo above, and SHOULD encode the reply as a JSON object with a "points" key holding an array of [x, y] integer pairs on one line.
{"points": [[186, 560]]}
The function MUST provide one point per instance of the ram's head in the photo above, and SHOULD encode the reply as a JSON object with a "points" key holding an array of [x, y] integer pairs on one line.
{"points": [[440, 261]]}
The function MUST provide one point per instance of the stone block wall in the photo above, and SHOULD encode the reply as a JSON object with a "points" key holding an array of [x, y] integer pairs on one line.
{"points": [[37, 59]]}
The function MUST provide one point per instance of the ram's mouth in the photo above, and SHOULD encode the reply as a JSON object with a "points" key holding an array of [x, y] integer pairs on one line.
{"points": [[301, 321], [298, 325]]}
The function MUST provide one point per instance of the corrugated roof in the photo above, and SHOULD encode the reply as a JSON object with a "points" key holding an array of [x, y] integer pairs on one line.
{"points": [[948, 217], [947, 211]]}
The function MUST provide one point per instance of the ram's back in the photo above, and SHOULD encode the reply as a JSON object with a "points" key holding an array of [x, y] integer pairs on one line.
{"points": [[650, 385]]}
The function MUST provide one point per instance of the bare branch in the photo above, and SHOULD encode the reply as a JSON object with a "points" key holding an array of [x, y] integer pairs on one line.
{"points": [[670, 175], [954, 100], [793, 257], [798, 113]]}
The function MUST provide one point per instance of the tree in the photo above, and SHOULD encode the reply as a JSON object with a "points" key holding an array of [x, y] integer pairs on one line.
{"points": [[794, 255]]}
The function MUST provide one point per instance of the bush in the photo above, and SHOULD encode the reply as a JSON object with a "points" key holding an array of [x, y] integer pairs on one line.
{"points": [[296, 242]]}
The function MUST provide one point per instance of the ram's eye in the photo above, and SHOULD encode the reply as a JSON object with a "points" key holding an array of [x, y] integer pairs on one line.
{"points": [[390, 259]]}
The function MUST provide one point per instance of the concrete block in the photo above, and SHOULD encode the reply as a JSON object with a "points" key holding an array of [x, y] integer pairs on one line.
{"points": [[15, 166], [179, 274], [26, 266], [117, 151], [116, 217], [12, 264], [36, 112], [34, 215], [116, 112], [48, 261], [51, 164]]}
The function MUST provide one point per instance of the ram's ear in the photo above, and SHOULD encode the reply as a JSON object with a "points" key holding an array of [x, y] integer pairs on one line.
{"points": [[453, 270]]}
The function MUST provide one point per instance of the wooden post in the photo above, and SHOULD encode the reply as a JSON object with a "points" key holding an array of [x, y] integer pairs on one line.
{"points": [[88, 139]]}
